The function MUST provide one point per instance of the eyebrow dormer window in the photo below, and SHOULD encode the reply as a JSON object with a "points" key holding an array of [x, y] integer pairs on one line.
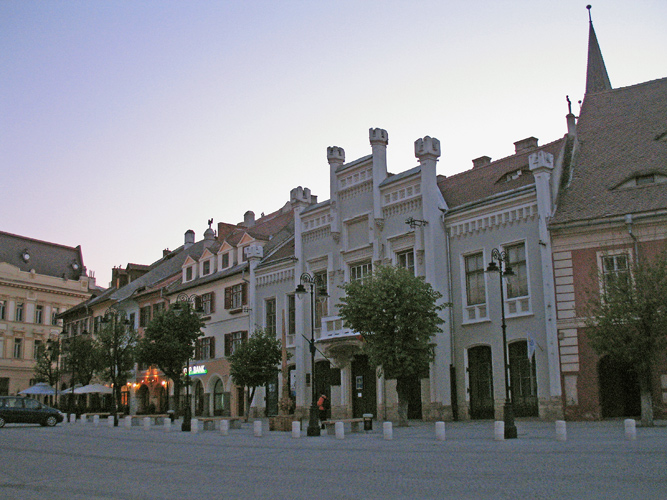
{"points": [[645, 179]]}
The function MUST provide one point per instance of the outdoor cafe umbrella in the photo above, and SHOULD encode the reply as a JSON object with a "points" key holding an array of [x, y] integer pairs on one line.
{"points": [[93, 389], [42, 389]]}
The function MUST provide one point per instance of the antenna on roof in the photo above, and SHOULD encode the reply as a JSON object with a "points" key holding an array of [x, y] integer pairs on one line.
{"points": [[589, 14]]}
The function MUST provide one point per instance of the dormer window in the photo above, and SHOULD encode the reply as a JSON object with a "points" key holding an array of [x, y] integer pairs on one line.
{"points": [[642, 180], [515, 174], [225, 260], [645, 179], [188, 273], [206, 267]]}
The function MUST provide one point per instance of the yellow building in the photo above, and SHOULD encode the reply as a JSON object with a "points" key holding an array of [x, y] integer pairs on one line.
{"points": [[38, 280]]}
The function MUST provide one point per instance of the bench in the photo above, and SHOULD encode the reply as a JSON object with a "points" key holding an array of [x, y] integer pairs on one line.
{"points": [[356, 425], [209, 423]]}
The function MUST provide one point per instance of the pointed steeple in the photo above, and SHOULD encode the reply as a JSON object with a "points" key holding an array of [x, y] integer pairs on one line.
{"points": [[597, 78]]}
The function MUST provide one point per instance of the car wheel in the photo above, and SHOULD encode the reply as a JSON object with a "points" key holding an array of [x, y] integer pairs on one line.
{"points": [[51, 421], [2, 422]]}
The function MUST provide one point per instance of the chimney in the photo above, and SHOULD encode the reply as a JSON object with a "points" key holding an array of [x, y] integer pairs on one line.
{"points": [[525, 145], [571, 125], [481, 161], [249, 218], [336, 159], [165, 252], [379, 140], [189, 238]]}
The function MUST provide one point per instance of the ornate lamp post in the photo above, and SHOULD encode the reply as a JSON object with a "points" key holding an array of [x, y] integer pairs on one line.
{"points": [[114, 316], [183, 300], [503, 269], [313, 283], [53, 348]]}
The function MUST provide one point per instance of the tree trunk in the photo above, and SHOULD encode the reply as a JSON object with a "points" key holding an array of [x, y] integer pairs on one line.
{"points": [[646, 400], [403, 392]]}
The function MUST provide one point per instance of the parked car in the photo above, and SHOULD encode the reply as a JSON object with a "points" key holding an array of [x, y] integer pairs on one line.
{"points": [[20, 410]]}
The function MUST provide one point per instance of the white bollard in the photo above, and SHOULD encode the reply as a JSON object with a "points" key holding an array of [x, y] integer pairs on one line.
{"points": [[257, 428], [440, 431], [388, 431], [630, 429], [72, 418], [167, 424], [127, 421], [83, 420], [96, 420], [340, 430], [561, 430], [296, 429], [499, 431], [110, 421], [194, 426], [147, 423], [224, 427]]}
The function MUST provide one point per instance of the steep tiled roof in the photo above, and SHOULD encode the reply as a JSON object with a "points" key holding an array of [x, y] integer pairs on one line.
{"points": [[48, 259], [495, 178], [618, 139]]}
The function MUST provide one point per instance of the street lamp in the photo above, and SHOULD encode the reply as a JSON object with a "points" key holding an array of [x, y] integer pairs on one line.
{"points": [[316, 286], [53, 349], [503, 268], [187, 301]]}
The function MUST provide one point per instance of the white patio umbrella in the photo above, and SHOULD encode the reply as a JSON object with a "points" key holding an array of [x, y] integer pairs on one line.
{"points": [[42, 389], [93, 389]]}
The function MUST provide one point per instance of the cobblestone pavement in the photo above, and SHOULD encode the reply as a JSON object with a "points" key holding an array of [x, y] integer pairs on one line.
{"points": [[74, 461]]}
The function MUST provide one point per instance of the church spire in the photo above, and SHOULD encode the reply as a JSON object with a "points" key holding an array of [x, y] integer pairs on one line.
{"points": [[597, 78]]}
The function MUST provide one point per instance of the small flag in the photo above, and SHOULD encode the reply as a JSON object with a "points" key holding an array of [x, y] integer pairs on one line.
{"points": [[531, 346]]}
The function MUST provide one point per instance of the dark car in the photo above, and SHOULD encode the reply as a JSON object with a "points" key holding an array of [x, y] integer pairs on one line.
{"points": [[27, 411]]}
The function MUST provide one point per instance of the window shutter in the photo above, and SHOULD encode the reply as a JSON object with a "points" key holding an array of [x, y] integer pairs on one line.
{"points": [[244, 290], [212, 348], [212, 294], [228, 300], [228, 344]]}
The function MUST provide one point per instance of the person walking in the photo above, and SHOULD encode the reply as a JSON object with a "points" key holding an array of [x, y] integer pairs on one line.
{"points": [[323, 406]]}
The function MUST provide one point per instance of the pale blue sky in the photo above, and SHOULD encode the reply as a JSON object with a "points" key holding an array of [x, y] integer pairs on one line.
{"points": [[125, 123]]}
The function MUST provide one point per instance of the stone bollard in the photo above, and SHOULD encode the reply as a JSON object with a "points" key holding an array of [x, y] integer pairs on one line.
{"points": [[296, 429], [110, 421], [127, 422], [340, 430], [96, 420], [224, 427], [257, 428], [72, 418], [83, 420], [147, 423], [167, 425], [440, 431], [194, 426], [630, 429], [561, 430], [499, 431], [388, 431]]}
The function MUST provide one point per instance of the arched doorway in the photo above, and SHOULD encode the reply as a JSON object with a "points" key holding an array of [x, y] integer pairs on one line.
{"points": [[523, 380], [221, 400], [162, 400], [199, 398], [143, 399], [619, 389], [480, 379]]}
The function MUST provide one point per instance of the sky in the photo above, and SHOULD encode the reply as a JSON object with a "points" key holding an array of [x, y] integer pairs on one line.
{"points": [[125, 123]]}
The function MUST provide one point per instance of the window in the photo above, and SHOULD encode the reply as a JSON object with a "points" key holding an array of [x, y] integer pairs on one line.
{"points": [[406, 260], [614, 267], [38, 349], [233, 340], [270, 316], [208, 302], [18, 348], [205, 348], [157, 308], [360, 271], [206, 267], [3, 306], [236, 296], [54, 313], [225, 260], [475, 284], [39, 314], [19, 312], [517, 285], [144, 316], [322, 303], [188, 273], [291, 314]]}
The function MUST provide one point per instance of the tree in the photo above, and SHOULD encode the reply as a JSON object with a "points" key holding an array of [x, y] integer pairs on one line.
{"points": [[81, 361], [169, 340], [46, 367], [116, 346], [396, 314], [255, 362], [628, 321]]}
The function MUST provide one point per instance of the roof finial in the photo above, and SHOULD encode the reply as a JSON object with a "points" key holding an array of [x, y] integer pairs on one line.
{"points": [[589, 14], [569, 104]]}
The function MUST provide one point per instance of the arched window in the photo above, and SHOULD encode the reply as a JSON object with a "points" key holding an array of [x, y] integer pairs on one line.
{"points": [[221, 406]]}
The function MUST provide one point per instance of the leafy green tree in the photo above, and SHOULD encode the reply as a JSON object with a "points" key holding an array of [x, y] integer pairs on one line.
{"points": [[46, 366], [116, 346], [628, 322], [396, 314], [169, 341], [254, 363], [82, 358]]}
